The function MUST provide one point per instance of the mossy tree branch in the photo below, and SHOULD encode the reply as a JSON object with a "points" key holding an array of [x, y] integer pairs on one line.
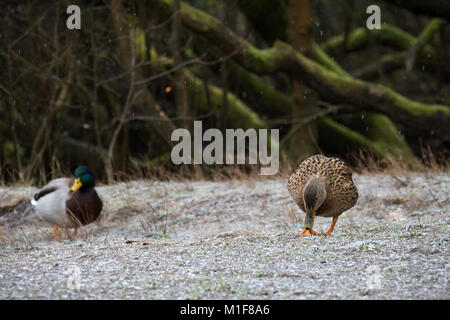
{"points": [[384, 136], [361, 37], [427, 34], [333, 87], [319, 55], [210, 98], [382, 133], [352, 135], [413, 48]]}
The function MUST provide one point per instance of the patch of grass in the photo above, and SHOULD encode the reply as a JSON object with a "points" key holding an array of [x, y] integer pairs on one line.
{"points": [[262, 275], [406, 235], [365, 162], [206, 287], [156, 221]]}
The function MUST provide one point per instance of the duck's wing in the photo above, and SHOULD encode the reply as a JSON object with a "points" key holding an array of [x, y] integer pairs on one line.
{"points": [[51, 187], [51, 200], [342, 193], [333, 168]]}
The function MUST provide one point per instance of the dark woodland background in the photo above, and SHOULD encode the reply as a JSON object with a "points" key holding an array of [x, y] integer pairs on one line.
{"points": [[109, 95]]}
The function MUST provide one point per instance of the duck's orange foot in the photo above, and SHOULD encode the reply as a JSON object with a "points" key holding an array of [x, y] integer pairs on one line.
{"points": [[57, 236], [331, 227], [307, 232]]}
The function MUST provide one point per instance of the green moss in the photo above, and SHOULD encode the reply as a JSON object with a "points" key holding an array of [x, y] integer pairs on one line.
{"points": [[319, 55], [360, 37], [382, 130], [273, 102], [240, 115], [138, 41], [352, 135], [282, 57], [344, 86], [413, 107]]}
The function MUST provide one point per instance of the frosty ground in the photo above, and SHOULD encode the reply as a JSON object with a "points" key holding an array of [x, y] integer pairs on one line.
{"points": [[234, 240]]}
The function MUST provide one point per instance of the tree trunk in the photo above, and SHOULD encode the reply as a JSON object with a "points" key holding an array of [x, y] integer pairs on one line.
{"points": [[179, 80], [121, 26], [302, 141]]}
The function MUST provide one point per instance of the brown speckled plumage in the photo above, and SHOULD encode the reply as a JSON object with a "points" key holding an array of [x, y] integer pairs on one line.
{"points": [[341, 192]]}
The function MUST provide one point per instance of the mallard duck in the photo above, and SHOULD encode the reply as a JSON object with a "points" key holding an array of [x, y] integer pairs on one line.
{"points": [[69, 203], [324, 187]]}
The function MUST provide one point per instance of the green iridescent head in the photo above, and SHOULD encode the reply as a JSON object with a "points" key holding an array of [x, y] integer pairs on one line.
{"points": [[84, 179]]}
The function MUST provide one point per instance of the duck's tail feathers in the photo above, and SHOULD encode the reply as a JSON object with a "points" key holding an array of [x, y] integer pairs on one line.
{"points": [[41, 193]]}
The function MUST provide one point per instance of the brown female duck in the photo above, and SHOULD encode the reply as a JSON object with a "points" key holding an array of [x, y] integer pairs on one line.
{"points": [[322, 186]]}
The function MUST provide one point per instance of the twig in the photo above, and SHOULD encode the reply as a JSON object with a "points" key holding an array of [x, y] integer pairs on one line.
{"points": [[30, 28], [307, 120], [162, 74]]}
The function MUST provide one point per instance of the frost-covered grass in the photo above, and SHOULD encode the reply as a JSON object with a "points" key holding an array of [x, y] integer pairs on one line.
{"points": [[235, 239]]}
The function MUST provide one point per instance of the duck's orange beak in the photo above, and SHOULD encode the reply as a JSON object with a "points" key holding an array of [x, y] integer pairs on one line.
{"points": [[309, 223], [76, 185]]}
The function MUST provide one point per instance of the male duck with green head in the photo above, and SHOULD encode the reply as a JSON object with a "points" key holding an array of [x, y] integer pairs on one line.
{"points": [[69, 203]]}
